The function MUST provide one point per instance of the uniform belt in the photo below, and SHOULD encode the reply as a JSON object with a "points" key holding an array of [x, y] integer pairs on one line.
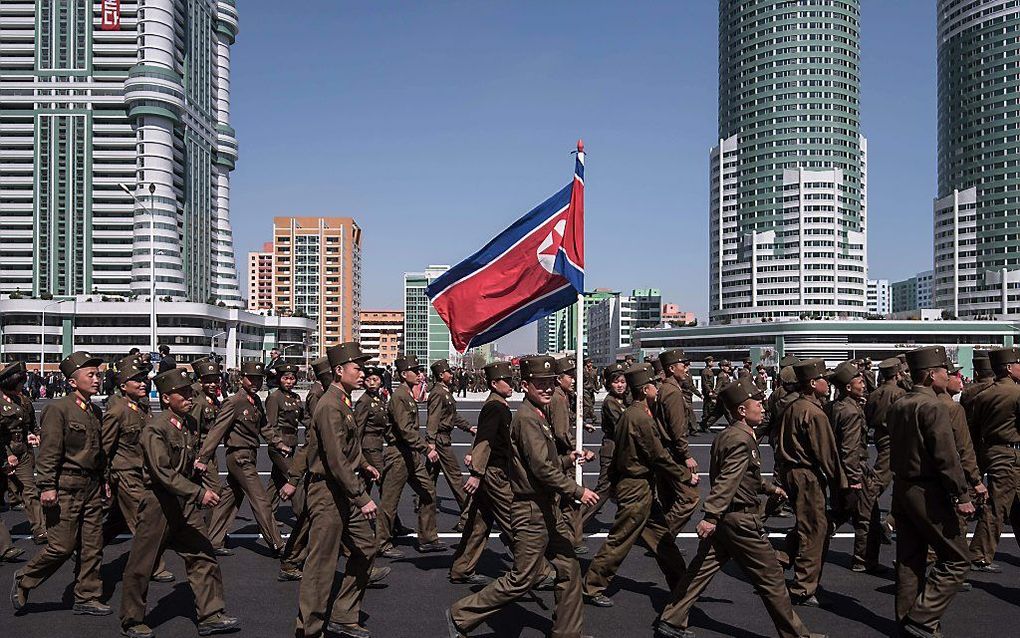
{"points": [[73, 471], [315, 477], [743, 509], [289, 429]]}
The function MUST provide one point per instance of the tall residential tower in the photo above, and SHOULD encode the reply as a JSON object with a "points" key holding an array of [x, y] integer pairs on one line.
{"points": [[788, 210], [977, 207]]}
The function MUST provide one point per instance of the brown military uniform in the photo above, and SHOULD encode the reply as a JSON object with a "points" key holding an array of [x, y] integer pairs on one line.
{"points": [[689, 390], [708, 390], [442, 418], [538, 478], [205, 411], [17, 422], [678, 497], [239, 424], [169, 516], [404, 464], [612, 411], [806, 452], [71, 461], [372, 420], [335, 496], [995, 412], [876, 412], [562, 415], [927, 476], [639, 458], [847, 417], [732, 505], [286, 413]]}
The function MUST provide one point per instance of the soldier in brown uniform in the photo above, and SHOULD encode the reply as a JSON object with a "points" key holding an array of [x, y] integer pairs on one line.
{"points": [[285, 412], [678, 497], [538, 478], [562, 414], [929, 492], [613, 405], [984, 378], [19, 434], [125, 419], [70, 468], [708, 392], [689, 389], [723, 378], [639, 458], [442, 418], [806, 452], [340, 510], [846, 414], [239, 424], [404, 457], [207, 405], [995, 413], [732, 527], [961, 436], [169, 514]]}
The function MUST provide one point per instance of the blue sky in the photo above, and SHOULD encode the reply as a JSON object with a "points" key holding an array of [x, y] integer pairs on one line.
{"points": [[436, 124]]}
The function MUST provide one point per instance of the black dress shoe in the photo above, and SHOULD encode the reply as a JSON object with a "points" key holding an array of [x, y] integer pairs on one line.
{"points": [[378, 574], [391, 553], [451, 627], [141, 630], [289, 574], [473, 579], [19, 595], [665, 630], [11, 554], [989, 568], [92, 608], [218, 624], [599, 600], [431, 548], [805, 601], [350, 631], [165, 576]]}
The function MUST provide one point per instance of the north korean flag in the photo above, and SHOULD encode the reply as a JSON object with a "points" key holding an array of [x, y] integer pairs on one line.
{"points": [[530, 270]]}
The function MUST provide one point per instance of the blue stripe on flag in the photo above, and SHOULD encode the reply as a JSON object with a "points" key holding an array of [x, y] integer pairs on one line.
{"points": [[558, 299], [502, 242]]}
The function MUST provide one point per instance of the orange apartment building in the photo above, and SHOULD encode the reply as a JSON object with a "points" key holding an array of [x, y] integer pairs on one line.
{"points": [[382, 335], [260, 279]]}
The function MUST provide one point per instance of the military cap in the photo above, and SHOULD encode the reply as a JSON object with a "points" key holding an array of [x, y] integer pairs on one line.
{"points": [[889, 364], [1002, 356], [537, 367], [321, 367], [982, 364], [439, 367], [656, 365], [12, 368], [566, 365], [130, 367], [612, 370], [284, 368], [78, 360], [709, 359], [902, 357], [928, 357], [405, 363], [725, 363], [347, 352], [171, 381], [669, 357], [810, 369], [787, 375], [206, 368], [788, 360], [373, 371], [845, 373], [498, 370], [639, 375], [734, 394], [253, 369]]}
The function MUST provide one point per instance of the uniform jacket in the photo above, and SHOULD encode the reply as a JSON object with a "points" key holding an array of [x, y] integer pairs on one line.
{"points": [[170, 447], [961, 436], [337, 453], [239, 424], [734, 473], [847, 417], [562, 417], [403, 417], [17, 421], [537, 470], [285, 412], [370, 415], [612, 410], [71, 439], [492, 441], [205, 410], [122, 429], [313, 396], [671, 411], [806, 440], [443, 416], [995, 410], [639, 452], [876, 413]]}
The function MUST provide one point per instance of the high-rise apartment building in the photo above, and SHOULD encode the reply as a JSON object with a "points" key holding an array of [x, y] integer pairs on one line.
{"points": [[913, 293], [879, 297], [382, 335], [613, 319], [98, 95], [317, 274], [426, 336], [260, 279], [558, 332], [788, 211], [977, 246]]}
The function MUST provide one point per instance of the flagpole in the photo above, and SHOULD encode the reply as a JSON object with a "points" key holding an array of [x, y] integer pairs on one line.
{"points": [[579, 369]]}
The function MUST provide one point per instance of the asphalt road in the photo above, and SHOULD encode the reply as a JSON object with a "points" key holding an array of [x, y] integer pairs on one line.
{"points": [[411, 601]]}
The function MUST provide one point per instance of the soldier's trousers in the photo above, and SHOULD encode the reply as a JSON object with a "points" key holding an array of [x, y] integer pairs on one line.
{"points": [[808, 541], [1002, 464], [639, 519], [708, 413], [679, 500], [490, 503], [925, 519], [280, 471], [333, 520], [6, 542], [295, 551], [405, 466], [22, 483], [243, 480], [377, 459], [126, 493], [450, 466], [75, 522], [165, 523], [739, 536], [603, 487], [868, 528], [539, 532]]}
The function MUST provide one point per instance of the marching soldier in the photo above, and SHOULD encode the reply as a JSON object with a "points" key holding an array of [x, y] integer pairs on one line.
{"points": [[806, 451], [905, 381], [125, 419], [847, 417], [209, 375], [761, 379], [708, 391], [70, 469], [689, 389], [961, 436], [169, 514], [442, 418], [995, 412], [984, 378], [732, 526], [870, 385], [19, 433], [285, 413], [723, 378], [340, 511], [404, 458], [929, 491], [613, 405], [239, 424], [589, 381], [679, 497], [745, 371], [563, 417], [639, 457], [538, 478]]}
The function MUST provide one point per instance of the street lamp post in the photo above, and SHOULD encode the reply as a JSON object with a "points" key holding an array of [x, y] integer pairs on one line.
{"points": [[42, 337], [153, 338]]}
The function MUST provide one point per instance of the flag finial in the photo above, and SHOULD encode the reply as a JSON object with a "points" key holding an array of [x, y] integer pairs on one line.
{"points": [[580, 146]]}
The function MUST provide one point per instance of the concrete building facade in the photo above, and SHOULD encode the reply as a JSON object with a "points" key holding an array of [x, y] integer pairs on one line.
{"points": [[425, 334], [382, 335], [879, 297], [260, 279]]}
